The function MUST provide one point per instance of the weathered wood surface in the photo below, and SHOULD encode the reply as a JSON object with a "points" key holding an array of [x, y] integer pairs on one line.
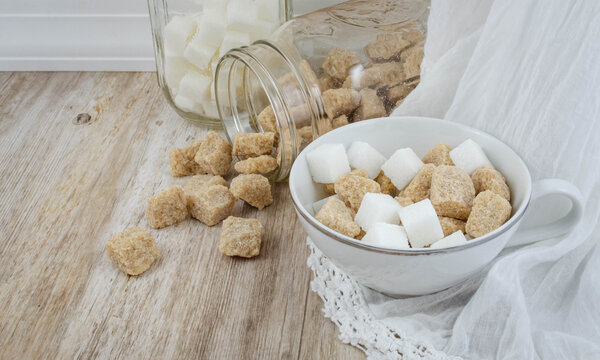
{"points": [[64, 188]]}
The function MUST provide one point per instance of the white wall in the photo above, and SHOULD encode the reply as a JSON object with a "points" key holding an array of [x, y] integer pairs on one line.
{"points": [[79, 35]]}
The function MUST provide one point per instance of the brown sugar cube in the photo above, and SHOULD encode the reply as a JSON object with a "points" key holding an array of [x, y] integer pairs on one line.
{"points": [[267, 120], [324, 125], [133, 250], [387, 187], [414, 36], [252, 188], [400, 91], [340, 101], [450, 225], [338, 63], [254, 144], [360, 235], [336, 216], [166, 208], [451, 192], [418, 188], [411, 61], [210, 204], [339, 121], [370, 107], [263, 164], [490, 211], [352, 187], [386, 47], [376, 76], [404, 200], [182, 161], [329, 188], [327, 82], [438, 155], [240, 237], [306, 133], [214, 154], [198, 182], [488, 178]]}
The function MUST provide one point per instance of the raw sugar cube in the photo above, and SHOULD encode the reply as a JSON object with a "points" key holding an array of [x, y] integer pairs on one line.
{"points": [[402, 166], [182, 161], [352, 188], [241, 15], [178, 32], [438, 155], [411, 60], [375, 76], [240, 237], [340, 101], [267, 120], [263, 164], [377, 208], [329, 188], [327, 163], [338, 63], [306, 134], [399, 91], [454, 239], [451, 192], [233, 39], [336, 216], [469, 156], [166, 208], [214, 155], [370, 106], [327, 82], [203, 181], [133, 250], [421, 224], [199, 53], [211, 28], [210, 204], [450, 225], [361, 155], [387, 187], [488, 178], [387, 236], [195, 86], [360, 235], [252, 188], [386, 47], [253, 144], [317, 205], [403, 200], [339, 121], [418, 188], [490, 211]]}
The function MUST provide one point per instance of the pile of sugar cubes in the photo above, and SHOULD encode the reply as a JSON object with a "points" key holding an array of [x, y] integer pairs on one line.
{"points": [[193, 44], [206, 197], [443, 199]]}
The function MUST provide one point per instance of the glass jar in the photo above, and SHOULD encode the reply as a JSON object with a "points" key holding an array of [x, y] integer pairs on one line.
{"points": [[191, 35], [346, 63]]}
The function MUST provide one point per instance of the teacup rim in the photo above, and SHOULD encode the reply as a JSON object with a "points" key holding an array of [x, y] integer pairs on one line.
{"points": [[310, 219]]}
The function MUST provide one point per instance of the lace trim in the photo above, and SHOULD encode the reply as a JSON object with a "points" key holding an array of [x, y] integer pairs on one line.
{"points": [[344, 304]]}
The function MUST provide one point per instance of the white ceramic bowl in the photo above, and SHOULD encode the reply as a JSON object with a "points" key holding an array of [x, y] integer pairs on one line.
{"points": [[423, 271]]}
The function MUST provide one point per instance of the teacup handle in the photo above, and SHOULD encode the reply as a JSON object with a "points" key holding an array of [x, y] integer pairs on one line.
{"points": [[561, 226]]}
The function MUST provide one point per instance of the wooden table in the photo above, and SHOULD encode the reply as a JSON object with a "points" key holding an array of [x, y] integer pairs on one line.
{"points": [[65, 188]]}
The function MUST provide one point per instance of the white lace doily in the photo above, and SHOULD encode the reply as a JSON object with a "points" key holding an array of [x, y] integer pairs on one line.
{"points": [[344, 304]]}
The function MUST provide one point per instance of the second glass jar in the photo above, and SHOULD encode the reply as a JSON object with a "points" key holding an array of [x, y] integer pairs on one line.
{"points": [[351, 62]]}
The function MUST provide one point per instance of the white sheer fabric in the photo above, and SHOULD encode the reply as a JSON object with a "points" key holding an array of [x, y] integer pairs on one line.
{"points": [[527, 72]]}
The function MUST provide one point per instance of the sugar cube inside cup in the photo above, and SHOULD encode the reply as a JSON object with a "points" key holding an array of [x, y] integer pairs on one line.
{"points": [[402, 167], [469, 156], [177, 33], [211, 27], [195, 85], [317, 205], [454, 239], [376, 208], [387, 235], [421, 223], [199, 53], [241, 14], [327, 162], [363, 156], [233, 39]]}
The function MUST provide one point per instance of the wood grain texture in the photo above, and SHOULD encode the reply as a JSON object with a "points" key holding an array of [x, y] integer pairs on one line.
{"points": [[66, 188]]}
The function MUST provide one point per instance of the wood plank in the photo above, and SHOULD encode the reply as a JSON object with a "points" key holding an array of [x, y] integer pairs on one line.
{"points": [[67, 187]]}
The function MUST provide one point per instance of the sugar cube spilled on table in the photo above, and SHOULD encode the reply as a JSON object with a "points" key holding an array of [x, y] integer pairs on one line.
{"points": [[361, 155], [469, 156], [377, 208], [387, 236], [402, 167]]}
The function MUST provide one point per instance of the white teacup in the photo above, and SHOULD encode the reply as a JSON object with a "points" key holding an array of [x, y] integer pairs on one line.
{"points": [[424, 271]]}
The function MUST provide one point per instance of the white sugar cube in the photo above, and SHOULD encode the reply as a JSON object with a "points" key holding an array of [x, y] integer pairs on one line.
{"points": [[261, 29], [268, 11], [188, 104], [195, 85], [387, 236], [218, 5], [376, 208], [211, 27], [402, 167], [176, 67], [317, 205], [421, 223], [454, 239], [327, 162], [177, 33], [199, 53], [363, 156], [233, 39], [241, 15], [469, 156]]}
